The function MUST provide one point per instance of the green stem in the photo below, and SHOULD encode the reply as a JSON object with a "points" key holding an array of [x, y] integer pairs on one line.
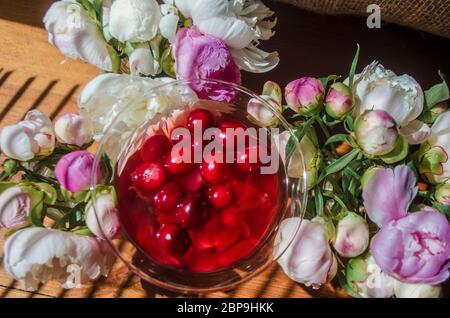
{"points": [[323, 126]]}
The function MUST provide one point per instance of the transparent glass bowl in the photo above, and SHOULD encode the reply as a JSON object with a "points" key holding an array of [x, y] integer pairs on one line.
{"points": [[135, 124]]}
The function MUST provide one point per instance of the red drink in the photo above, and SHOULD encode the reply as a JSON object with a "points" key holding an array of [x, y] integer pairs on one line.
{"points": [[196, 216]]}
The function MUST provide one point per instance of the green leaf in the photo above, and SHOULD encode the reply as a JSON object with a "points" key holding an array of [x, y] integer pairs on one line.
{"points": [[299, 132], [436, 94], [353, 67], [6, 185], [339, 164], [108, 166], [337, 199], [318, 200], [168, 63], [84, 231], [339, 138], [327, 79], [349, 288], [398, 153], [36, 215]]}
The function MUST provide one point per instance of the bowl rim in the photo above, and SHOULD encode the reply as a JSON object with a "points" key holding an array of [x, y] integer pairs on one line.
{"points": [[183, 289]]}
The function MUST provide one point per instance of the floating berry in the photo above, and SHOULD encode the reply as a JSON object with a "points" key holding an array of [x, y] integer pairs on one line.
{"points": [[167, 198], [155, 147], [235, 128], [191, 211], [214, 171], [173, 239], [248, 159], [191, 181], [199, 117], [219, 195], [149, 176], [176, 164]]}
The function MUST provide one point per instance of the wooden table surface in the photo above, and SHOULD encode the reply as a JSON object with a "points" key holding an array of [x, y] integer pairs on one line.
{"points": [[33, 74]]}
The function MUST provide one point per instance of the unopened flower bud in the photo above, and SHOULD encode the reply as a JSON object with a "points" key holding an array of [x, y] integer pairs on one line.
{"points": [[338, 101], [352, 237], [376, 132], [73, 129], [304, 95], [442, 194]]}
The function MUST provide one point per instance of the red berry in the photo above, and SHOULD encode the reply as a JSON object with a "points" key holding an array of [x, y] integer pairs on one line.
{"points": [[155, 147], [175, 163], [200, 117], [167, 198], [149, 176], [231, 126], [214, 171], [248, 160], [219, 195], [173, 239], [191, 181], [191, 211]]}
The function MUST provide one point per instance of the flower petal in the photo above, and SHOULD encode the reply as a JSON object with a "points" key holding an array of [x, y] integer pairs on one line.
{"points": [[255, 60], [388, 194], [168, 26], [415, 132]]}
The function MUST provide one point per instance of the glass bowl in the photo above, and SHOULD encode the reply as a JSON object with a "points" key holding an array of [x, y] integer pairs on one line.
{"points": [[160, 108]]}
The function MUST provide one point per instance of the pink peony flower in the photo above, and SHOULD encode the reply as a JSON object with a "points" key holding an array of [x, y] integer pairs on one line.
{"points": [[14, 207], [412, 247], [73, 171], [304, 95], [201, 56]]}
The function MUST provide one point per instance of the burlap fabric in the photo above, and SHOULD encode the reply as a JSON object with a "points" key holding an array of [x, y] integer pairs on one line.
{"points": [[426, 15]]}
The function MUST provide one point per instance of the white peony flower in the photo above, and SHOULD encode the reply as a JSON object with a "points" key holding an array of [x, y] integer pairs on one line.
{"points": [[169, 22], [142, 61], [239, 23], [378, 88], [30, 137], [108, 95], [134, 20], [73, 129], [404, 290], [308, 259], [103, 220], [36, 255], [377, 284], [14, 207], [76, 35]]}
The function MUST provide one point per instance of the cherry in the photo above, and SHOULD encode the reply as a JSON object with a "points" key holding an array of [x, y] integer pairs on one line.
{"points": [[191, 181], [149, 176], [173, 239], [167, 198], [199, 117], [175, 164], [155, 147], [191, 211], [245, 161], [219, 195], [232, 126], [213, 171]]}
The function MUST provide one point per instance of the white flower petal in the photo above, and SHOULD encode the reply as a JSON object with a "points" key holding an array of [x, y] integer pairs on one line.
{"points": [[142, 61], [255, 60], [168, 26], [36, 255], [15, 143], [134, 20], [404, 290], [72, 31], [415, 132]]}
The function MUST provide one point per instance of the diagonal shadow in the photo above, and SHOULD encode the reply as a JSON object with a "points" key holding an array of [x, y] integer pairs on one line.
{"points": [[269, 278], [44, 93], [16, 97], [8, 288], [64, 102], [5, 77]]}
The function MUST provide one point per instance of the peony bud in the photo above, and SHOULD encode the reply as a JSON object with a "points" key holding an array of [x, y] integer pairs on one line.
{"points": [[304, 95], [433, 155], [442, 194], [134, 20], [376, 132], [339, 100], [352, 236], [142, 61], [103, 221], [30, 137], [73, 171], [260, 113], [14, 207], [308, 259], [403, 290], [368, 279], [73, 129], [311, 155]]}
